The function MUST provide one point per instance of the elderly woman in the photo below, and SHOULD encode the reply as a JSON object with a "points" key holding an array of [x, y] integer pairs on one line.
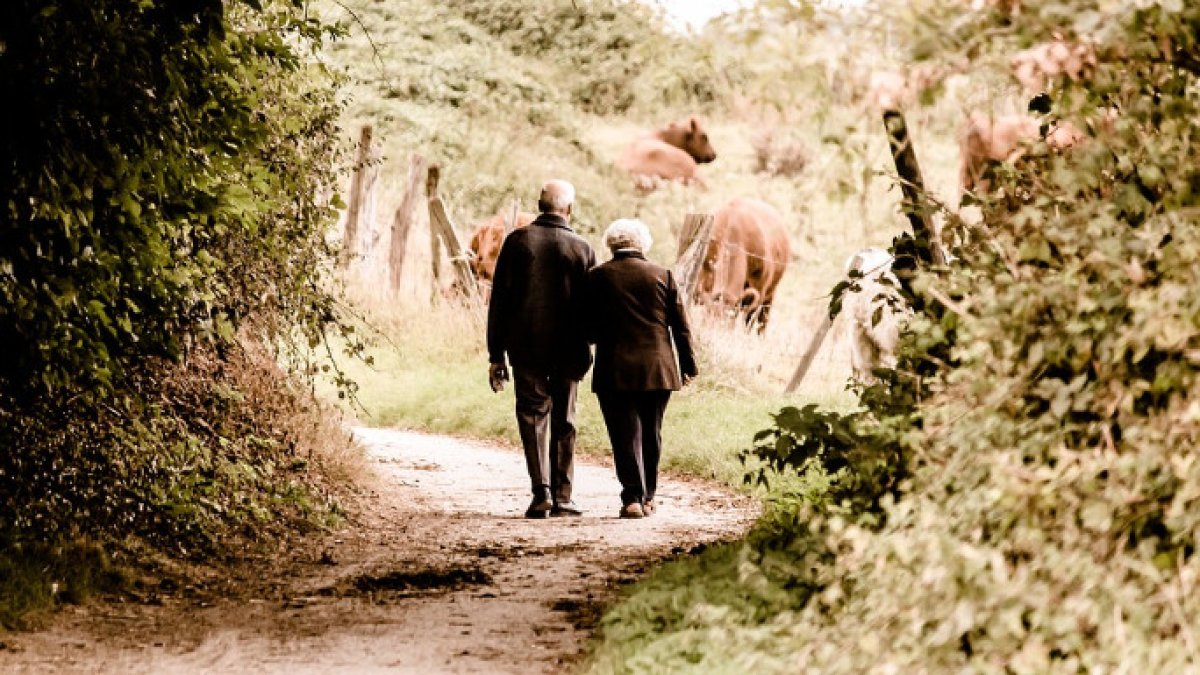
{"points": [[636, 314]]}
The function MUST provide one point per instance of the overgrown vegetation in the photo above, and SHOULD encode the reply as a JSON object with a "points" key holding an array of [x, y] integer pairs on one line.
{"points": [[1019, 494], [161, 227]]}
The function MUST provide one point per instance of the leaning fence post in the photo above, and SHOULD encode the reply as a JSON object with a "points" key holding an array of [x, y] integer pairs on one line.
{"points": [[510, 223], [358, 188], [912, 184], [693, 244], [441, 226], [814, 345]]}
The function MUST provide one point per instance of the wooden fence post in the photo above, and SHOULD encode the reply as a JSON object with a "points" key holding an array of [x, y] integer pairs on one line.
{"points": [[912, 184], [441, 226], [693, 245], [402, 222], [435, 260], [357, 189], [814, 345]]}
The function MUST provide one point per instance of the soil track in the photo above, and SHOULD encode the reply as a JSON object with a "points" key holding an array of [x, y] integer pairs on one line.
{"points": [[438, 572]]}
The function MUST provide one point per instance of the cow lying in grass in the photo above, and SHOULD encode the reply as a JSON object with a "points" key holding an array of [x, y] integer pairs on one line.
{"points": [[672, 153]]}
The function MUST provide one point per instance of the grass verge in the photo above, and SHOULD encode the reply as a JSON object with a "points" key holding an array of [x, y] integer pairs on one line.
{"points": [[430, 374], [36, 577]]}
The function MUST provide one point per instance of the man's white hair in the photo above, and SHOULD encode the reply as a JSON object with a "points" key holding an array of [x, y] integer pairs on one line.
{"points": [[558, 194], [628, 233]]}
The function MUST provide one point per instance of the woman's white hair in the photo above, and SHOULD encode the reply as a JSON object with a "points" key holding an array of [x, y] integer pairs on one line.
{"points": [[628, 233]]}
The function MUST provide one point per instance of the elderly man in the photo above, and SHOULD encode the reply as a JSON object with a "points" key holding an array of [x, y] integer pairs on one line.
{"points": [[636, 314], [534, 318]]}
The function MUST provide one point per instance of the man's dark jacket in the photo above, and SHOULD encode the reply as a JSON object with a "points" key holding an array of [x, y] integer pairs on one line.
{"points": [[535, 315], [635, 312]]}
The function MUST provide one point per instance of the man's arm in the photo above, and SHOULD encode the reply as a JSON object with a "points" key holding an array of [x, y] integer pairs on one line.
{"points": [[585, 305], [497, 318]]}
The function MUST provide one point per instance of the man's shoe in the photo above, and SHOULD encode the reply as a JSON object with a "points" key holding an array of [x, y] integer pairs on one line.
{"points": [[632, 510], [567, 508], [540, 507], [649, 507]]}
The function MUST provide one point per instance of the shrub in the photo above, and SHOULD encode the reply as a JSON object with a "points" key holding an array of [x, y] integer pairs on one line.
{"points": [[160, 188], [777, 156]]}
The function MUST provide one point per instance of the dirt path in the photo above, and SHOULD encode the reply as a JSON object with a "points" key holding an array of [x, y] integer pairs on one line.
{"points": [[437, 573]]}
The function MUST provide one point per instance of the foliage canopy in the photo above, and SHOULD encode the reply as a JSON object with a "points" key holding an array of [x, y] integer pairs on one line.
{"points": [[162, 189]]}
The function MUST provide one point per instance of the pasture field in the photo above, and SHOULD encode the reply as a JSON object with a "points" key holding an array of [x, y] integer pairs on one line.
{"points": [[430, 374], [418, 89], [430, 360], [496, 148]]}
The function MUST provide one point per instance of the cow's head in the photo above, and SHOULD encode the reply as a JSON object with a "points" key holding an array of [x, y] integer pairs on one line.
{"points": [[690, 137], [483, 251]]}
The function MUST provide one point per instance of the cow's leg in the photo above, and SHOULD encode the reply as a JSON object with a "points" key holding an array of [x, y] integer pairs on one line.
{"points": [[751, 307], [761, 317]]}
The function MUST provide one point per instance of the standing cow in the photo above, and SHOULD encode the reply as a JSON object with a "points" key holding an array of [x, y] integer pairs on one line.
{"points": [[748, 252], [985, 140], [485, 245], [671, 153]]}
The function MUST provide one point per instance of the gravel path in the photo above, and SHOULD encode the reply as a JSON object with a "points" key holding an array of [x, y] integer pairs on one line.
{"points": [[437, 572]]}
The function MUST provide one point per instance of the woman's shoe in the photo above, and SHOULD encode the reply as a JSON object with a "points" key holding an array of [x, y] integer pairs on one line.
{"points": [[632, 510]]}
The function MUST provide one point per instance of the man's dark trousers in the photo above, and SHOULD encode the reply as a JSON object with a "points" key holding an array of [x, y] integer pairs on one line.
{"points": [[634, 421], [546, 422]]}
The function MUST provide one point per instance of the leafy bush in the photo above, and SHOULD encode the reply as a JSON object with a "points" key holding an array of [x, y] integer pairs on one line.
{"points": [[164, 192], [162, 221]]}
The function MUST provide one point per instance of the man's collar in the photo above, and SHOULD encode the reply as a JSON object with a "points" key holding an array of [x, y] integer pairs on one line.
{"points": [[551, 220], [623, 253]]}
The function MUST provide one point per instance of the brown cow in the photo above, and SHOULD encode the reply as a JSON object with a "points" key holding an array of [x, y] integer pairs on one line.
{"points": [[485, 245], [985, 140], [747, 255], [671, 153]]}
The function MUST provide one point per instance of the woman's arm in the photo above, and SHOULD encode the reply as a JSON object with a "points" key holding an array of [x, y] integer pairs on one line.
{"points": [[681, 333]]}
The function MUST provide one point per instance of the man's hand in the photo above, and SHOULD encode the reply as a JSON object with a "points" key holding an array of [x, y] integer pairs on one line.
{"points": [[687, 379], [497, 376]]}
